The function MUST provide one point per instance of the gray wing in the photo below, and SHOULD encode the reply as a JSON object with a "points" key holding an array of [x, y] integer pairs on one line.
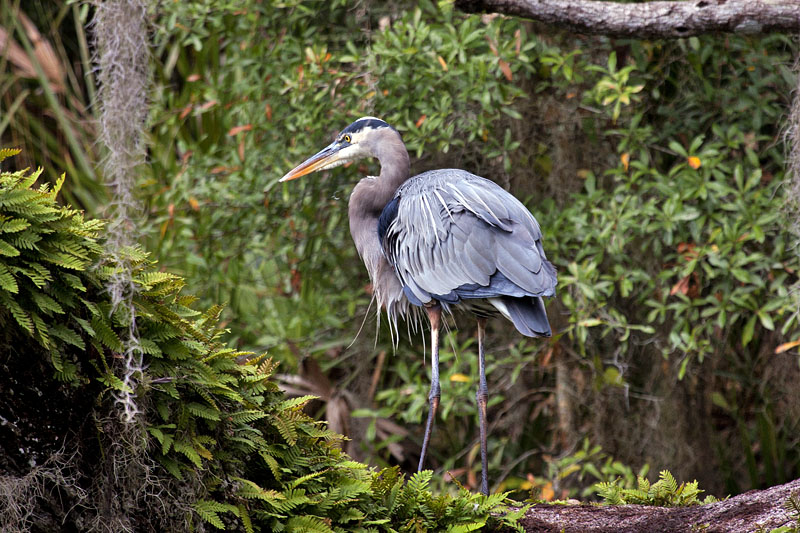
{"points": [[451, 235]]}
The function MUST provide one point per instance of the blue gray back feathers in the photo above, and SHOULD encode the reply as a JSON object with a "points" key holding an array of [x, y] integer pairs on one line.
{"points": [[455, 237]]}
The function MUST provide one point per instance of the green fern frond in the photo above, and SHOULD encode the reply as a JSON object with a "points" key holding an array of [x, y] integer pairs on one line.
{"points": [[20, 315], [189, 452], [292, 499], [46, 303], [24, 240], [419, 481], [286, 427], [105, 334], [307, 524], [7, 250], [8, 152], [669, 481], [792, 505], [247, 416], [27, 183], [209, 511], [251, 491], [67, 335], [172, 466], [466, 528], [13, 225], [302, 479], [491, 501], [38, 275], [7, 281], [272, 464], [18, 197], [65, 371], [203, 411]]}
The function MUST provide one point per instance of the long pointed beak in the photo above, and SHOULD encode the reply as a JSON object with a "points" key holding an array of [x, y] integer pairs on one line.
{"points": [[325, 158]]}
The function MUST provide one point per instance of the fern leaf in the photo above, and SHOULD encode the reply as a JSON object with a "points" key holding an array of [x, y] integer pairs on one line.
{"points": [[8, 152], [8, 250], [7, 280], [419, 481], [67, 335], [57, 186], [19, 314], [272, 464], [73, 281], [172, 466], [13, 225], [286, 427], [245, 417], [250, 490], [792, 505], [209, 512], [466, 528], [292, 403], [31, 179], [203, 411], [36, 273], [244, 516], [669, 480], [46, 304], [106, 335], [307, 524], [189, 452], [302, 479]]}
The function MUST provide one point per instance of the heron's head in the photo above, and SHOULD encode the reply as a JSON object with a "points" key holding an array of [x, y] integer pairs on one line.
{"points": [[363, 138]]}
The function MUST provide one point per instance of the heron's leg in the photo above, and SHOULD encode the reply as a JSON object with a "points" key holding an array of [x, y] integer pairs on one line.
{"points": [[482, 396], [435, 317]]}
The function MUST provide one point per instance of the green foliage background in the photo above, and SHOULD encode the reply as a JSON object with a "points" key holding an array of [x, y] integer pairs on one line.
{"points": [[217, 439], [654, 168]]}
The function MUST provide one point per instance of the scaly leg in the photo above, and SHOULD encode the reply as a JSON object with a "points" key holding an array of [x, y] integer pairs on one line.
{"points": [[435, 317], [482, 396]]}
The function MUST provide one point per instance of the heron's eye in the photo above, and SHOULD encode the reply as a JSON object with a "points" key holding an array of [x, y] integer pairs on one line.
{"points": [[347, 139]]}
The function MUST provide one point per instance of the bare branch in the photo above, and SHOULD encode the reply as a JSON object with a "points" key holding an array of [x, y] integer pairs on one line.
{"points": [[651, 19], [756, 510]]}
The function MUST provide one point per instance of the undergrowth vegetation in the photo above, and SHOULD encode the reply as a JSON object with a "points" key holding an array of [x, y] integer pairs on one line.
{"points": [[666, 492], [217, 439]]}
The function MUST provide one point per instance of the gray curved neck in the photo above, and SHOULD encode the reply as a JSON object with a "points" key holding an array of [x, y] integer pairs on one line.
{"points": [[369, 197]]}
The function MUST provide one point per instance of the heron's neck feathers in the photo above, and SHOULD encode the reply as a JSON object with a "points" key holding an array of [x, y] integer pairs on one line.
{"points": [[369, 197], [395, 164]]}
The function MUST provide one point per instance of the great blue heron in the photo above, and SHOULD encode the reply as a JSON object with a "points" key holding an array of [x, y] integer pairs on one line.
{"points": [[441, 240]]}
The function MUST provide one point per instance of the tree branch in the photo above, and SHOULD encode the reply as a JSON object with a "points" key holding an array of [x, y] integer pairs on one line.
{"points": [[652, 19], [746, 512]]}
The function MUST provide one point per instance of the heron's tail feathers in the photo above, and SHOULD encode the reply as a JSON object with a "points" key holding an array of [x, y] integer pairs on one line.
{"points": [[527, 314]]}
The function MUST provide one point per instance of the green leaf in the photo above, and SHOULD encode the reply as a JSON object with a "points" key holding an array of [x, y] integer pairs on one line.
{"points": [[749, 328], [8, 250]]}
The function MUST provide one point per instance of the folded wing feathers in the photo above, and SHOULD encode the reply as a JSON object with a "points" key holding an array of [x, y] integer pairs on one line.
{"points": [[459, 230]]}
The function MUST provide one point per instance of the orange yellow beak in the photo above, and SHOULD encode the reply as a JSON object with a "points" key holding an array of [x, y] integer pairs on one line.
{"points": [[327, 157]]}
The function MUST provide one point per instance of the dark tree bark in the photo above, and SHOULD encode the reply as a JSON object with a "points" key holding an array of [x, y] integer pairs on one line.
{"points": [[745, 512], [651, 19]]}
